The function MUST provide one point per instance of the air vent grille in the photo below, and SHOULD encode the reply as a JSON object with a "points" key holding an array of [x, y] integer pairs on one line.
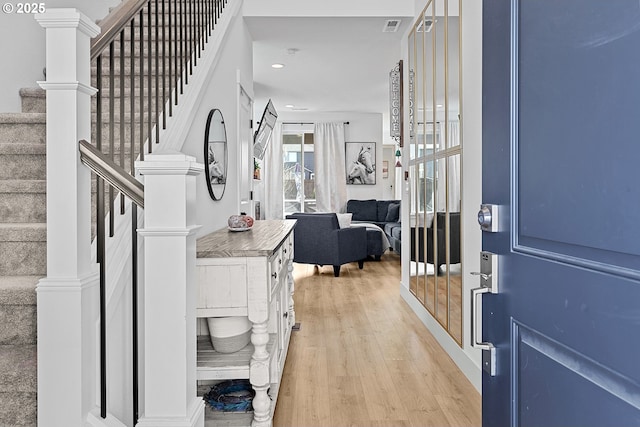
{"points": [[391, 26], [425, 26]]}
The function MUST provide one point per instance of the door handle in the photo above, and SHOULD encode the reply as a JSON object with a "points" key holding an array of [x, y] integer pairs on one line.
{"points": [[488, 284], [490, 365]]}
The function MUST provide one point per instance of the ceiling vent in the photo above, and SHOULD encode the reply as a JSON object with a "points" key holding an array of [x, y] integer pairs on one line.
{"points": [[425, 26], [391, 26]]}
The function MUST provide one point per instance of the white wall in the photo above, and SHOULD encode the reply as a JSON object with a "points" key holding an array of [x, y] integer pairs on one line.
{"points": [[454, 10], [384, 8], [222, 93], [22, 47], [467, 358], [389, 184], [472, 163]]}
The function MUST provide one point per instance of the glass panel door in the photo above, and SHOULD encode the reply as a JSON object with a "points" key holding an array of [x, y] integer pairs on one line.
{"points": [[298, 173]]}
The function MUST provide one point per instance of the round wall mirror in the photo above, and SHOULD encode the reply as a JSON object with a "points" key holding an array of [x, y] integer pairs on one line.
{"points": [[215, 154]]}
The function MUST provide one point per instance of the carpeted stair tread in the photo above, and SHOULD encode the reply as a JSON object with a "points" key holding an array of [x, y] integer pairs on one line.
{"points": [[23, 127], [23, 186], [23, 232], [22, 148], [18, 409], [34, 100], [21, 160], [20, 118], [18, 313], [18, 368], [34, 92], [18, 290]]}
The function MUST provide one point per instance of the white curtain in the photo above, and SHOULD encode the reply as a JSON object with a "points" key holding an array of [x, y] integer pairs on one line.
{"points": [[330, 174], [454, 170], [272, 165]]}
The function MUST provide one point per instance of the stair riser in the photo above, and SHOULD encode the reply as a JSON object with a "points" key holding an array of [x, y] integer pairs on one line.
{"points": [[23, 207], [18, 409], [23, 132], [34, 104], [18, 368], [33, 167], [161, 47], [127, 104], [106, 78], [17, 324], [148, 83], [116, 136], [23, 258], [23, 166]]}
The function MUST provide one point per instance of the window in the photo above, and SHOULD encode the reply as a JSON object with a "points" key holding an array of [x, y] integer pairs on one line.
{"points": [[298, 172]]}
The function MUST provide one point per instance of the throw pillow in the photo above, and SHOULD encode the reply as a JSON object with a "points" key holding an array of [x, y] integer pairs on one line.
{"points": [[344, 220], [393, 213]]}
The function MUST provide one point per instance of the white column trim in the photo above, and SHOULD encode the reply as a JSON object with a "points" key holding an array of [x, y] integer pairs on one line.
{"points": [[80, 87], [67, 299], [169, 332]]}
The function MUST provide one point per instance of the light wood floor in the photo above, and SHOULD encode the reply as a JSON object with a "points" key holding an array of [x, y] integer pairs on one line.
{"points": [[363, 358]]}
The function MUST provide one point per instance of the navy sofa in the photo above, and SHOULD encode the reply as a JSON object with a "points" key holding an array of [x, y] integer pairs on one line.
{"points": [[319, 240], [383, 213]]}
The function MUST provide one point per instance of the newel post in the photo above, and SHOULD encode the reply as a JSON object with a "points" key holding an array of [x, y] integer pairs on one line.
{"points": [[169, 333], [68, 297]]}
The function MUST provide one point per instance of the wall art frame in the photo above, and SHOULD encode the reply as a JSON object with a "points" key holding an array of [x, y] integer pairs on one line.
{"points": [[360, 163]]}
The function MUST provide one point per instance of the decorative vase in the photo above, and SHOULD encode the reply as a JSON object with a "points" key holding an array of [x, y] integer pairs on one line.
{"points": [[240, 221]]}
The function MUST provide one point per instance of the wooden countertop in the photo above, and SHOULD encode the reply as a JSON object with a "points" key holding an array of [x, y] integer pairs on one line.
{"points": [[262, 240]]}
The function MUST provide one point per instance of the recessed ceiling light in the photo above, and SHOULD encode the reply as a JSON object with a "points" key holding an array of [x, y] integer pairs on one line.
{"points": [[439, 105], [289, 106], [277, 66]]}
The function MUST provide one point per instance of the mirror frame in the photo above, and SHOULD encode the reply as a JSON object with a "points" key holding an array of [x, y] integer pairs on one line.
{"points": [[440, 291], [216, 189]]}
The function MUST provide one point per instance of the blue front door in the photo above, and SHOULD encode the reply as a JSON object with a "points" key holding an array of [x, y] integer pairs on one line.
{"points": [[561, 156]]}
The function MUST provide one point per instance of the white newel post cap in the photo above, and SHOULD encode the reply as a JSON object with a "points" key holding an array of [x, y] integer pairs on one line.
{"points": [[67, 27], [68, 18], [169, 180]]}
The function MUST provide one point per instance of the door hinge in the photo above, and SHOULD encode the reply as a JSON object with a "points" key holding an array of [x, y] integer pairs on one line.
{"points": [[250, 195], [251, 124]]}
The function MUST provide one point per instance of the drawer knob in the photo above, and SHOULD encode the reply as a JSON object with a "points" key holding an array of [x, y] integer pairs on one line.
{"points": [[274, 275], [284, 250], [280, 261]]}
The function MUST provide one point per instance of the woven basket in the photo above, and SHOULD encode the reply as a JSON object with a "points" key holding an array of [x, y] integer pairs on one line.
{"points": [[229, 334]]}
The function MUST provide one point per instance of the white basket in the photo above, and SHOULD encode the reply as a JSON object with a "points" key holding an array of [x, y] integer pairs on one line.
{"points": [[229, 334]]}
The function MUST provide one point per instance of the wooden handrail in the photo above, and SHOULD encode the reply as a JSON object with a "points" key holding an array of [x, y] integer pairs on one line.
{"points": [[114, 23], [108, 170]]}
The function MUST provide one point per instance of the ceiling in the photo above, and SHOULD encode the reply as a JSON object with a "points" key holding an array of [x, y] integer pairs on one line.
{"points": [[340, 64]]}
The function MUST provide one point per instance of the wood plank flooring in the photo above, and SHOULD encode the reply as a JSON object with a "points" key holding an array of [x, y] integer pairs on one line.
{"points": [[363, 358]]}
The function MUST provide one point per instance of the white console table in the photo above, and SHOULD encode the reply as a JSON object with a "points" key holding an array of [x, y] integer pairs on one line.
{"points": [[248, 273]]}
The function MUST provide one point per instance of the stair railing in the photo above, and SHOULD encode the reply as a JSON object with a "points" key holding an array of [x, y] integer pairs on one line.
{"points": [[151, 46]]}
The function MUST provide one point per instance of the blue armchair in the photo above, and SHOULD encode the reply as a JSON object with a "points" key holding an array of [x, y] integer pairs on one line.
{"points": [[319, 240]]}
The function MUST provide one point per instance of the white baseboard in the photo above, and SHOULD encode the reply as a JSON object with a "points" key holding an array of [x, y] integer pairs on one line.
{"points": [[469, 368]]}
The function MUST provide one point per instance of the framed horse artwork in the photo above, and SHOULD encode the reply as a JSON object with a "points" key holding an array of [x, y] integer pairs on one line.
{"points": [[360, 158]]}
